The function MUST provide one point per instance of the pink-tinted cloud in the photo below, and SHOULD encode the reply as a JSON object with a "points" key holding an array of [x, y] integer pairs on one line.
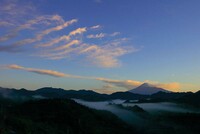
{"points": [[130, 84], [111, 83], [46, 32], [39, 71]]}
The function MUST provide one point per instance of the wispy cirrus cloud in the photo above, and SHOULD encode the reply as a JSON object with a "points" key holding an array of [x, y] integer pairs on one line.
{"points": [[42, 35], [77, 31], [73, 42], [110, 83], [11, 14], [38, 37], [102, 35], [95, 27], [94, 36], [114, 34], [46, 32], [12, 7], [54, 41], [45, 20], [8, 36], [57, 28], [64, 38], [105, 56], [5, 24]]}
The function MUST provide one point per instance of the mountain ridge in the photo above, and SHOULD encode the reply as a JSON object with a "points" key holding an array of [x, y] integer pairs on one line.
{"points": [[89, 95]]}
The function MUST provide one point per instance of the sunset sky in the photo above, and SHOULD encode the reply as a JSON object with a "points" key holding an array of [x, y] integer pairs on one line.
{"points": [[101, 45]]}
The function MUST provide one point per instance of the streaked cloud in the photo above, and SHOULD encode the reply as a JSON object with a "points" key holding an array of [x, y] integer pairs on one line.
{"points": [[67, 45], [5, 24], [45, 20], [54, 41], [39, 71], [46, 32], [43, 71], [94, 36], [13, 13], [64, 38], [174, 86], [77, 31], [57, 28], [8, 36], [45, 36], [127, 84], [130, 84], [110, 83], [102, 35], [114, 34], [12, 7], [105, 56], [95, 27]]}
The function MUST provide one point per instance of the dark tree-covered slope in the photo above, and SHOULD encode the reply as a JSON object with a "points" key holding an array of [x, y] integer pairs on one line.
{"points": [[59, 116]]}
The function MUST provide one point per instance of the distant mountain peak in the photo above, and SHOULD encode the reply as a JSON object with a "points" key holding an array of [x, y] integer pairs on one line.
{"points": [[146, 85], [147, 89]]}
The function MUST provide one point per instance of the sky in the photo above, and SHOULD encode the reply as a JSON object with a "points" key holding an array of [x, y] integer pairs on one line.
{"points": [[101, 45]]}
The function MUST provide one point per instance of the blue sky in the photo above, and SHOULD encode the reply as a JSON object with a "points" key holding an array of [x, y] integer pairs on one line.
{"points": [[102, 45]]}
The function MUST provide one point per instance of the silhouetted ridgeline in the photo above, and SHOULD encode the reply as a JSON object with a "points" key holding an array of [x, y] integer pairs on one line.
{"points": [[89, 95]]}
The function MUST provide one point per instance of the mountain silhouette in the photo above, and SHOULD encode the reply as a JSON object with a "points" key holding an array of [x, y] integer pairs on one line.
{"points": [[127, 96], [147, 89], [143, 93]]}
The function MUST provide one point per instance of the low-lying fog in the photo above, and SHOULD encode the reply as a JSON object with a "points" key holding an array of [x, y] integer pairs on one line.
{"points": [[161, 107], [125, 115], [132, 117]]}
